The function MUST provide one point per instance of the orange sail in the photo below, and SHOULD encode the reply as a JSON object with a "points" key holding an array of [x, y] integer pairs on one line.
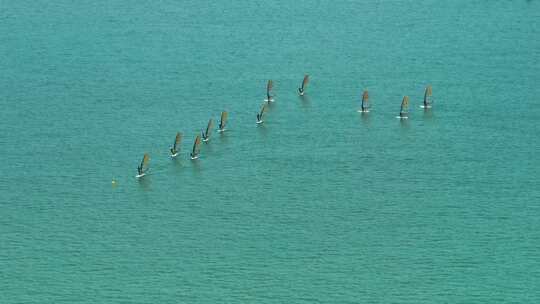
{"points": [[196, 144], [365, 100], [145, 160], [144, 164], [305, 82], [177, 141]]}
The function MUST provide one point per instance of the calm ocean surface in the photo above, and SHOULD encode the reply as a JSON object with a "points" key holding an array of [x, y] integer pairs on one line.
{"points": [[319, 204]]}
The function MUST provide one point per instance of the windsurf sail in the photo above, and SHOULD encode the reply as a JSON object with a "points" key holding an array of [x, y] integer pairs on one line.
{"points": [[260, 114], [176, 145], [365, 101], [304, 84], [428, 96], [223, 121], [206, 134], [269, 86], [196, 149], [404, 110], [143, 167]]}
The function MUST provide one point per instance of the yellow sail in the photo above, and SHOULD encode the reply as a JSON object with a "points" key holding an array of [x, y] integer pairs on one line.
{"points": [[404, 104], [365, 101], [429, 91], [427, 96], [269, 85], [365, 96], [145, 161], [263, 109], [223, 122]]}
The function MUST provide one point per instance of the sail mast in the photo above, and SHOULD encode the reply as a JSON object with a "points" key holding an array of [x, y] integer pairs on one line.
{"points": [[269, 86]]}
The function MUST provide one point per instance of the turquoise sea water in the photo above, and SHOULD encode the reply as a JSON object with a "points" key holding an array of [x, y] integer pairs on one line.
{"points": [[318, 205]]}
